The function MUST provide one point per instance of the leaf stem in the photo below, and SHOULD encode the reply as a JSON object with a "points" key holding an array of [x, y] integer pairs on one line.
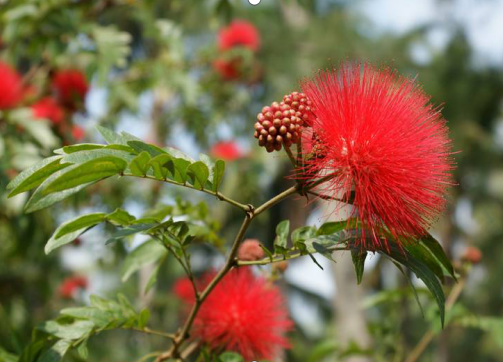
{"points": [[291, 156]]}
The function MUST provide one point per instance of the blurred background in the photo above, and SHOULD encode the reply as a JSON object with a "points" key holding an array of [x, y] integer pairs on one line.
{"points": [[159, 69]]}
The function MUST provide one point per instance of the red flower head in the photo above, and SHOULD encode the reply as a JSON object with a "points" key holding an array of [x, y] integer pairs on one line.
{"points": [[11, 87], [48, 108], [239, 33], [244, 314], [71, 285], [71, 87], [78, 133], [227, 151], [377, 134]]}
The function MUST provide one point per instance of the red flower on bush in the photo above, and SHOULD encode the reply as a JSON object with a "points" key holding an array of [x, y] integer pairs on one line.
{"points": [[377, 135], [71, 285], [70, 86], [227, 150], [48, 108], [244, 314], [239, 33], [11, 87]]}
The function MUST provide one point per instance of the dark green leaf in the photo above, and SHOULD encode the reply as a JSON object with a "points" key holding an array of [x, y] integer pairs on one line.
{"points": [[218, 174], [88, 172], [421, 253], [333, 227], [140, 164], [422, 272], [161, 164], [35, 175], [199, 174], [302, 234], [86, 156], [436, 249], [56, 352], [323, 251], [131, 230], [359, 257], [140, 146]]}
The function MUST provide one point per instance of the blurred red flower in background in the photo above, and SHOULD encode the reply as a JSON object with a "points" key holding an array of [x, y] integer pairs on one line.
{"points": [[472, 254], [239, 33], [70, 86], [71, 285], [227, 69], [78, 133], [11, 86], [48, 108], [377, 134], [226, 150], [244, 314]]}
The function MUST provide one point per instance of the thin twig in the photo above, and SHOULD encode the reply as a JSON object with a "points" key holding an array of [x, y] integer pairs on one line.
{"points": [[291, 156], [278, 258]]}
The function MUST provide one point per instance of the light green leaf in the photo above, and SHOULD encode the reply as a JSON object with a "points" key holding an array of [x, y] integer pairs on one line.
{"points": [[72, 229], [131, 230], [120, 217], [140, 164], [143, 318], [147, 253], [110, 136], [73, 331], [85, 173], [35, 175], [230, 357], [199, 174], [160, 165], [281, 239]]}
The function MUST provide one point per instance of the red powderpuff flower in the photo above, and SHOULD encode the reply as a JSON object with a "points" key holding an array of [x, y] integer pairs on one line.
{"points": [[70, 86], [239, 33], [226, 150], [48, 108], [376, 134], [11, 87], [71, 285], [243, 314]]}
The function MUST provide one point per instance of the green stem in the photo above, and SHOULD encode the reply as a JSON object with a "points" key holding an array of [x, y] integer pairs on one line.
{"points": [[292, 190], [290, 156]]}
